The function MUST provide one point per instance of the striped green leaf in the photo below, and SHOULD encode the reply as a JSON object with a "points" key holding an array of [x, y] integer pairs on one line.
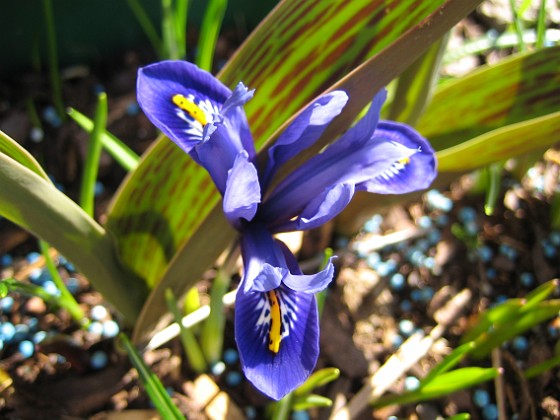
{"points": [[500, 144], [519, 88], [161, 215]]}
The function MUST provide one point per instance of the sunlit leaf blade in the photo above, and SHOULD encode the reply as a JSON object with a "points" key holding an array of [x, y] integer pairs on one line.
{"points": [[519, 88], [448, 362], [35, 204], [304, 47], [153, 386], [444, 384], [11, 148], [502, 143], [499, 314], [516, 326], [154, 215]]}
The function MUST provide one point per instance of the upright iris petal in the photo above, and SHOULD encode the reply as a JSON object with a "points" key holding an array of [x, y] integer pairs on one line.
{"points": [[276, 320]]}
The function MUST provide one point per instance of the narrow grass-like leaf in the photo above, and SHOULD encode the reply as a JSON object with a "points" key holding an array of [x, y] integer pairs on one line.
{"points": [[27, 289], [543, 367], [180, 18], [36, 205], [493, 173], [212, 334], [541, 25], [317, 379], [116, 148], [193, 352], [444, 384], [147, 25], [91, 165], [172, 49], [500, 313], [11, 148], [539, 294], [211, 24], [153, 386], [460, 416], [517, 24], [449, 362], [310, 401], [516, 326], [301, 49], [502, 143], [66, 300], [415, 85]]}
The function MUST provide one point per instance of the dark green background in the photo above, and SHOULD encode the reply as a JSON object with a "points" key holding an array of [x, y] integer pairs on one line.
{"points": [[89, 30]]}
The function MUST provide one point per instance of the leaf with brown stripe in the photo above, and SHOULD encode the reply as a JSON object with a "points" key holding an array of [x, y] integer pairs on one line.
{"points": [[312, 59], [518, 88]]}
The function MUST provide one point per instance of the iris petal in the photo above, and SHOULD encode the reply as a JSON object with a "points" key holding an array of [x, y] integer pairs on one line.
{"points": [[306, 128], [321, 209], [412, 173], [276, 374], [242, 194], [157, 86]]}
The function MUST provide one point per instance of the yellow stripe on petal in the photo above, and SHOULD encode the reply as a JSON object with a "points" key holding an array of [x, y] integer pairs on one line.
{"points": [[275, 323], [192, 109]]}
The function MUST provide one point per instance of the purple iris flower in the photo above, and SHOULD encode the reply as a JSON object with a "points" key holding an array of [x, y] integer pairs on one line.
{"points": [[276, 320]]}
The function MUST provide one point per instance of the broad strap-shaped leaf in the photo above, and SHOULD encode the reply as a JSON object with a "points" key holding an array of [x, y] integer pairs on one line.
{"points": [[516, 89], [500, 144], [304, 47], [154, 215], [34, 203], [12, 148]]}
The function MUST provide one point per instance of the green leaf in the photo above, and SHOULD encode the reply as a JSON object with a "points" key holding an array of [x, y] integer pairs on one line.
{"points": [[519, 88], [541, 368], [161, 213], [416, 84], [317, 379], [33, 203], [91, 165], [444, 384], [309, 401], [539, 294], [502, 143], [500, 313], [516, 326], [153, 386], [116, 148], [11, 148], [449, 362]]}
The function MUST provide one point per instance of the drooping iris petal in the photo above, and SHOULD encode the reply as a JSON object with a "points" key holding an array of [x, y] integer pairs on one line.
{"points": [[242, 193], [304, 131], [267, 262], [407, 174], [257, 315], [180, 99]]}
